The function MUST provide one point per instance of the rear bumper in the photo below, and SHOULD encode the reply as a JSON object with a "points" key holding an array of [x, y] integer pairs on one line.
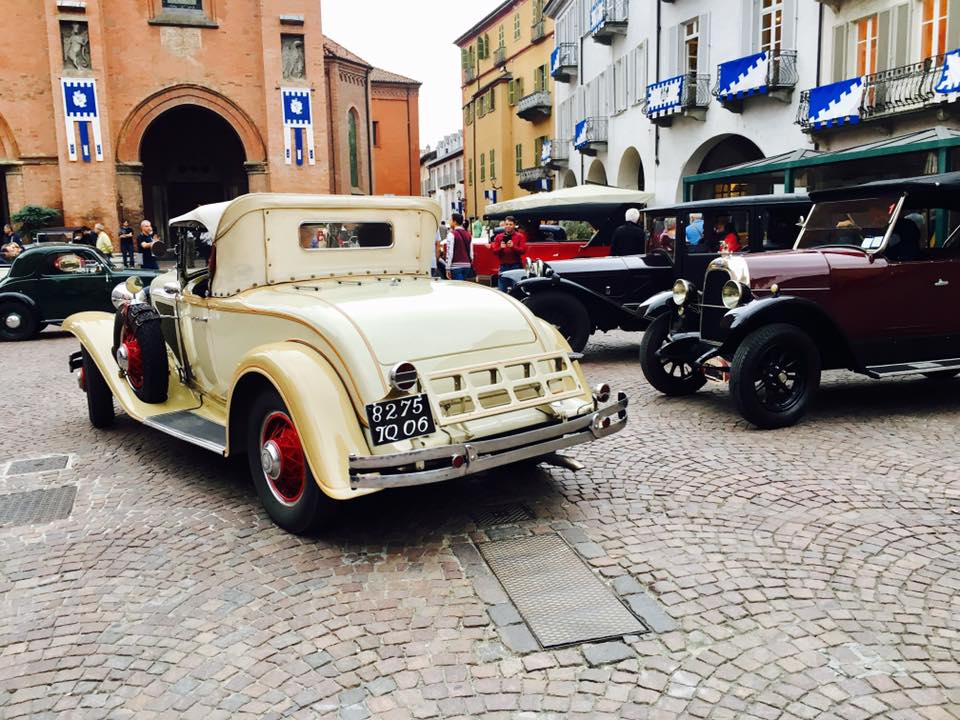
{"points": [[410, 468]]}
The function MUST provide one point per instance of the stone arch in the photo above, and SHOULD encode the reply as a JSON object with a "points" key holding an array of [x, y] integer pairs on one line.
{"points": [[568, 179], [597, 175], [719, 152], [135, 126], [630, 175], [9, 150]]}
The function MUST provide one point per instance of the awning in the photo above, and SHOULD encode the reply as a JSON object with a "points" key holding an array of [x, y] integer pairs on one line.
{"points": [[583, 201]]}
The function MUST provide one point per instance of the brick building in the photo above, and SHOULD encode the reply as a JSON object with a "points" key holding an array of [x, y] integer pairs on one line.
{"points": [[147, 109]]}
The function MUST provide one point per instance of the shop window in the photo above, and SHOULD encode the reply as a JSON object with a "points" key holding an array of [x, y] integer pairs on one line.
{"points": [[729, 190]]}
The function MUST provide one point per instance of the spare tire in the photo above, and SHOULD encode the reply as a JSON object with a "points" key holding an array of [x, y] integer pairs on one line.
{"points": [[142, 354]]}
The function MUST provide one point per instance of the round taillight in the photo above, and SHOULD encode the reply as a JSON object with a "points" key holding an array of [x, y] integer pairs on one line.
{"points": [[403, 377], [601, 393], [458, 461]]}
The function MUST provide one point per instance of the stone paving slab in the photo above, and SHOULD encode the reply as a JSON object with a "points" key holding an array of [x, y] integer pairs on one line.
{"points": [[805, 573]]}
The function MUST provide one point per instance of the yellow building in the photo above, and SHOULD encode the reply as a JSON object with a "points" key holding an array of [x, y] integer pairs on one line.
{"points": [[507, 103]]}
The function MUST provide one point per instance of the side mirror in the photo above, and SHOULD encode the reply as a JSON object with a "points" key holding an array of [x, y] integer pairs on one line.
{"points": [[172, 288], [134, 285]]}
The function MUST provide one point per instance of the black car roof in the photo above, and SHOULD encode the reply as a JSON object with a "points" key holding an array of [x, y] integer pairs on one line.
{"points": [[733, 202], [940, 190]]}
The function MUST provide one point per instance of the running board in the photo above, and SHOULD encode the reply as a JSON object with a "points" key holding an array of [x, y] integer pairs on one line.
{"points": [[914, 368], [187, 425]]}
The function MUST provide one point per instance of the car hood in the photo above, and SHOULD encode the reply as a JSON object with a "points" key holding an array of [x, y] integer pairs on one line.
{"points": [[790, 269], [580, 266], [415, 318]]}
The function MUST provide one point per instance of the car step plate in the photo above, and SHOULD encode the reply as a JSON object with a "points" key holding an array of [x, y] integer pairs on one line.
{"points": [[191, 427], [558, 596], [37, 506]]}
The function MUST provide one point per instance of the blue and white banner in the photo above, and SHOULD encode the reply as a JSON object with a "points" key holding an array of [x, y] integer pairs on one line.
{"points": [[490, 196], [665, 97], [554, 60], [597, 14], [837, 103], [297, 126], [743, 76], [546, 184], [82, 118], [949, 83], [545, 152], [581, 134]]}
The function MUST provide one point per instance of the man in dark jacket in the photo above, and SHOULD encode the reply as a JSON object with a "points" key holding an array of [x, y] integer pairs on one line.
{"points": [[629, 238]]}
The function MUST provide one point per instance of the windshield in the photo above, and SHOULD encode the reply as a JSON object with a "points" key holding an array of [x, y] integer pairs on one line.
{"points": [[857, 223]]}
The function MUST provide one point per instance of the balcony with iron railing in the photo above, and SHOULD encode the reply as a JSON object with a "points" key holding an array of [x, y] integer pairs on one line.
{"points": [[555, 154], [590, 135], [884, 95], [686, 95], [500, 56], [563, 62], [772, 73], [535, 178], [536, 106], [538, 30], [608, 18]]}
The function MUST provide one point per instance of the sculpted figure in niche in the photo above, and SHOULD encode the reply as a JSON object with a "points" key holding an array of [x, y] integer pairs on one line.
{"points": [[294, 64], [76, 46]]}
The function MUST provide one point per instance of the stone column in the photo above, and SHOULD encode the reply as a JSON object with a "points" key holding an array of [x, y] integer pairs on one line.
{"points": [[258, 177], [130, 192]]}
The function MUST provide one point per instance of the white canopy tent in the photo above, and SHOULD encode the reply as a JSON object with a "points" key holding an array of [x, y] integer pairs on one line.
{"points": [[570, 203]]}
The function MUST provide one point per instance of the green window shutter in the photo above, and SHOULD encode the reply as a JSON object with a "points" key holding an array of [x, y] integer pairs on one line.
{"points": [[519, 82], [516, 26], [839, 53], [490, 104], [483, 167], [953, 24], [501, 37], [464, 58], [493, 164], [519, 157], [473, 56], [470, 171], [899, 34], [883, 40], [512, 92]]}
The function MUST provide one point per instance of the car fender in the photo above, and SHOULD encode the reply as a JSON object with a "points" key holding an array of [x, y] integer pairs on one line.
{"points": [[20, 297], [324, 417], [656, 305], [805, 314], [592, 300]]}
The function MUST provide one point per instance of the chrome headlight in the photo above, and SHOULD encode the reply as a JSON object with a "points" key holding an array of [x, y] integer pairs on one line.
{"points": [[534, 267], [122, 295], [682, 291], [403, 377], [732, 294]]}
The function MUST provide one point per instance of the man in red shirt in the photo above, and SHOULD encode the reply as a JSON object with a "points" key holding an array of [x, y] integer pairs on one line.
{"points": [[509, 246]]}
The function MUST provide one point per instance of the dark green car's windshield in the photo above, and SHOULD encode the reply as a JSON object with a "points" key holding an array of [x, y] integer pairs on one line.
{"points": [[858, 223]]}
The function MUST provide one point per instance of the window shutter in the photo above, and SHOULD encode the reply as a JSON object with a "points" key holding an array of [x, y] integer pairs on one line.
{"points": [[789, 27], [899, 36], [749, 26], [464, 58], [703, 51], [884, 43], [953, 24], [839, 53], [673, 52]]}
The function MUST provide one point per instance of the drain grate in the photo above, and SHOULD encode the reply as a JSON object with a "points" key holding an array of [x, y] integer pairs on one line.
{"points": [[51, 462], [493, 515], [37, 506], [559, 597]]}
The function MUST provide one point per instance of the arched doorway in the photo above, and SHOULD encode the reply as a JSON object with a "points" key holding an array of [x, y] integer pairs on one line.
{"points": [[568, 179], [9, 157], [191, 156], [597, 174], [722, 152], [630, 175]]}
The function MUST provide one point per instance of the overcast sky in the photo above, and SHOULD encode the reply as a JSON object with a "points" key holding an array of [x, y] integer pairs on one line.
{"points": [[413, 38]]}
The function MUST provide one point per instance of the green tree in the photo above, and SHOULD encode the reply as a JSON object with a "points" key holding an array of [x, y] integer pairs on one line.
{"points": [[31, 218]]}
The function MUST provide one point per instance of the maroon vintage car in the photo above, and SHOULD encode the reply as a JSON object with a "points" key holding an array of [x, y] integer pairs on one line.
{"points": [[872, 285]]}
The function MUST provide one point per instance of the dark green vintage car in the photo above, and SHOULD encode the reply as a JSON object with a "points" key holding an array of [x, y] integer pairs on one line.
{"points": [[48, 282]]}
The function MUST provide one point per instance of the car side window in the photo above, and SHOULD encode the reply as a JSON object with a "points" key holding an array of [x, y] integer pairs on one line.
{"points": [[925, 234], [345, 235], [64, 263]]}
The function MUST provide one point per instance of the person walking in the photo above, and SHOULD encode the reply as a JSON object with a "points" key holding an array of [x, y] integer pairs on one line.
{"points": [[629, 238], [440, 249], [126, 243], [459, 255], [509, 246], [145, 241], [104, 243], [477, 227]]}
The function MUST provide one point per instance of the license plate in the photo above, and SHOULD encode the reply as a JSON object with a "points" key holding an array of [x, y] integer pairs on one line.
{"points": [[395, 420]]}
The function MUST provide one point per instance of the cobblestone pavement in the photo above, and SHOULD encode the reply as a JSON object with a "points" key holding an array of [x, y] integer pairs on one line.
{"points": [[804, 573]]}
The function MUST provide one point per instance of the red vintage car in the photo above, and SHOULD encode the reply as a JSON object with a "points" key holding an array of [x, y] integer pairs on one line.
{"points": [[872, 285], [601, 207]]}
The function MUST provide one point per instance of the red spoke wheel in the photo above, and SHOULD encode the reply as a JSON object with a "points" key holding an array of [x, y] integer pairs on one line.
{"points": [[141, 352], [279, 467], [134, 357]]}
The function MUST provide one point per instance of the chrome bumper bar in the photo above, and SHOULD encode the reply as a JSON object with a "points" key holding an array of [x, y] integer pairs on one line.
{"points": [[404, 469]]}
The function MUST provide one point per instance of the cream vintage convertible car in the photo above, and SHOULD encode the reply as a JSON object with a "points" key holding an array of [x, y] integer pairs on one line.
{"points": [[316, 343]]}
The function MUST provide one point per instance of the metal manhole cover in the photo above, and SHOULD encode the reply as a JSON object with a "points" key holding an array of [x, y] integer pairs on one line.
{"points": [[37, 506], [559, 597], [493, 515], [51, 462]]}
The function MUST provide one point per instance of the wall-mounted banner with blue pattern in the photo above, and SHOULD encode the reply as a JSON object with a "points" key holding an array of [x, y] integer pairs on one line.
{"points": [[837, 103], [297, 126], [490, 196], [82, 116], [581, 136], [554, 60], [545, 152], [597, 14], [665, 97], [743, 76], [950, 77]]}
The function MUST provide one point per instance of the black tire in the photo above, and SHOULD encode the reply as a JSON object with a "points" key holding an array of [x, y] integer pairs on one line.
{"points": [[775, 375], [150, 384], [668, 376], [18, 321], [941, 375], [99, 397], [564, 312], [300, 512]]}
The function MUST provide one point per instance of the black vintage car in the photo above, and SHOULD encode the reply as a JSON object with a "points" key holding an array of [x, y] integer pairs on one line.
{"points": [[584, 295]]}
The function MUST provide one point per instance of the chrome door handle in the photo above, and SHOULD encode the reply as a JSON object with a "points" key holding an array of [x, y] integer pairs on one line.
{"points": [[198, 319], [941, 283]]}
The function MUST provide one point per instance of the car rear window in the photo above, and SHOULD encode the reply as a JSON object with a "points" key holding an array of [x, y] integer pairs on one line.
{"points": [[345, 235]]}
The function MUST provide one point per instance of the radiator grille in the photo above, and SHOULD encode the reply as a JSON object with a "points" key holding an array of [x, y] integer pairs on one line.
{"points": [[712, 309]]}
